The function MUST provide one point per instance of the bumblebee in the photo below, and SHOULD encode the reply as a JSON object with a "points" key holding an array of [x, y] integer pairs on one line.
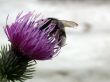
{"points": [[59, 29]]}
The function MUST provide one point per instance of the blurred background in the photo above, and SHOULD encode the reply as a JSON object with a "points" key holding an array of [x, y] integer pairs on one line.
{"points": [[86, 57]]}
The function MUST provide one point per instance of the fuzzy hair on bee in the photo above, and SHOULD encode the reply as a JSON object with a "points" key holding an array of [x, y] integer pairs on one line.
{"points": [[59, 30]]}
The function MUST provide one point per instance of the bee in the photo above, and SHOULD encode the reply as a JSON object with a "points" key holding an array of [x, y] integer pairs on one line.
{"points": [[59, 29]]}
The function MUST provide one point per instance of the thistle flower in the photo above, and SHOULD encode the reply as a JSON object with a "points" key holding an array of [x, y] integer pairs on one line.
{"points": [[27, 39]]}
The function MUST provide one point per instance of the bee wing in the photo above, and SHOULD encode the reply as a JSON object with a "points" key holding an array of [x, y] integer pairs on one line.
{"points": [[69, 23]]}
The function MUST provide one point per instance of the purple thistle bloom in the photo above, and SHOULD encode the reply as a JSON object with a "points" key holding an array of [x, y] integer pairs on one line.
{"points": [[27, 38]]}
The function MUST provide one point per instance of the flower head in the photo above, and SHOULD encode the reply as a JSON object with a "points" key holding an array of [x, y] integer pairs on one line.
{"points": [[27, 38]]}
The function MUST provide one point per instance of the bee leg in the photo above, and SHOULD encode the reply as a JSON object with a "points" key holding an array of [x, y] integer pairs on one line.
{"points": [[45, 25]]}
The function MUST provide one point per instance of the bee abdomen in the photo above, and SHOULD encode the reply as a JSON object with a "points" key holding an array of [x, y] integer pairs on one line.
{"points": [[62, 37]]}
